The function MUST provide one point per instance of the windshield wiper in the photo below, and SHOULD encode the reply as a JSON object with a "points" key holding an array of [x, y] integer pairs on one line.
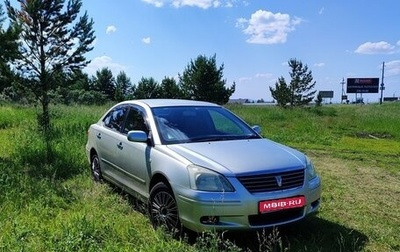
{"points": [[206, 138], [252, 136], [221, 138]]}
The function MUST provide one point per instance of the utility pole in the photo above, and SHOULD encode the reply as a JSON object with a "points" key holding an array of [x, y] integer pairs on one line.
{"points": [[344, 97], [382, 84]]}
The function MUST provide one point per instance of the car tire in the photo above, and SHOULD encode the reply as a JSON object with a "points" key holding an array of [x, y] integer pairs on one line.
{"points": [[163, 209], [96, 169]]}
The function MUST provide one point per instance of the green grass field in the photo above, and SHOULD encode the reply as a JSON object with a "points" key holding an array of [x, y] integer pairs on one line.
{"points": [[48, 201]]}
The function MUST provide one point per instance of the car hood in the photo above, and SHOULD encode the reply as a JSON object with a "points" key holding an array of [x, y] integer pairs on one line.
{"points": [[241, 157]]}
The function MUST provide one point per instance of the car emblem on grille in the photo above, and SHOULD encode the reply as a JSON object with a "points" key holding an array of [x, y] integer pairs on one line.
{"points": [[278, 180]]}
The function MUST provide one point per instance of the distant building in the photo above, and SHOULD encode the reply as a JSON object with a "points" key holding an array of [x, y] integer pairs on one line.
{"points": [[238, 101], [390, 98]]}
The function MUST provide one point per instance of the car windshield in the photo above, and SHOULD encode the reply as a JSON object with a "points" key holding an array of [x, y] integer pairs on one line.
{"points": [[199, 124]]}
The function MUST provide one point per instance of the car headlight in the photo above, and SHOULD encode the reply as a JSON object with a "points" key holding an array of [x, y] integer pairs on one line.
{"points": [[203, 179], [310, 168]]}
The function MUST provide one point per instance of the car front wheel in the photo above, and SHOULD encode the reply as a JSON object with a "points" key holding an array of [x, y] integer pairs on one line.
{"points": [[95, 168], [163, 208]]}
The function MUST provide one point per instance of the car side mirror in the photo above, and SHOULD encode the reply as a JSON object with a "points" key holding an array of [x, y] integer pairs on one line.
{"points": [[257, 129], [137, 136]]}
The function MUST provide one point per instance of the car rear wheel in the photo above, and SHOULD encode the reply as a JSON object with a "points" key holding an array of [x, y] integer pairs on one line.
{"points": [[95, 168], [163, 208]]}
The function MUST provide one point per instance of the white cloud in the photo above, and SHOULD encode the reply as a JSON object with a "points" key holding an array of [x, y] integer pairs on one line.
{"points": [[256, 76], [229, 4], [156, 3], [111, 29], [203, 4], [104, 61], [245, 79], [381, 47], [392, 68], [321, 11], [263, 75], [265, 27], [241, 23], [319, 64], [245, 3], [146, 40]]}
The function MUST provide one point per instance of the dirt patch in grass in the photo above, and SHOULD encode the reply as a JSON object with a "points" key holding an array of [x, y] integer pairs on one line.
{"points": [[373, 135]]}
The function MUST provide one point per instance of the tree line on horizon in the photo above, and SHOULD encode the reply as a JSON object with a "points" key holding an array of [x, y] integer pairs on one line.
{"points": [[48, 65], [42, 60]]}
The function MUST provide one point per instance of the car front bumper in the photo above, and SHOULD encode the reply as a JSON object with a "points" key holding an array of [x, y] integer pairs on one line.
{"points": [[239, 210]]}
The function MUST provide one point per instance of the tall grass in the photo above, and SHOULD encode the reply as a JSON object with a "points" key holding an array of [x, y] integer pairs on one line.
{"points": [[49, 203], [370, 133]]}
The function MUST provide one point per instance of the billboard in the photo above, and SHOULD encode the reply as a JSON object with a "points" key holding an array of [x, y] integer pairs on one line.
{"points": [[362, 85], [326, 94]]}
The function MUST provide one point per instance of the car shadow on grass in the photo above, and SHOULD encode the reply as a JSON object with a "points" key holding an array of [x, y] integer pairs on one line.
{"points": [[311, 234]]}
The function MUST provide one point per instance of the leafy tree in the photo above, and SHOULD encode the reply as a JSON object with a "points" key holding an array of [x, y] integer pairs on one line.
{"points": [[8, 51], [81, 81], [54, 40], [104, 82], [202, 80], [73, 87], [122, 86], [90, 97], [130, 94], [60, 81], [170, 89], [301, 84], [281, 93], [299, 91], [318, 101], [147, 88]]}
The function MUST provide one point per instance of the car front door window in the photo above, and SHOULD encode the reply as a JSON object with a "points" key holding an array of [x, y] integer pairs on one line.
{"points": [[114, 120], [135, 121]]}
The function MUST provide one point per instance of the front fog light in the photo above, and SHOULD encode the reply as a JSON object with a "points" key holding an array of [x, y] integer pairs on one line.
{"points": [[209, 220]]}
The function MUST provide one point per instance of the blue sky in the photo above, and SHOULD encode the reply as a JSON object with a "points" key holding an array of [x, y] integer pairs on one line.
{"points": [[254, 39]]}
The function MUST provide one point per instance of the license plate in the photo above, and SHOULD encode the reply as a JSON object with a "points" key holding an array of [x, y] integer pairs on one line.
{"points": [[281, 204]]}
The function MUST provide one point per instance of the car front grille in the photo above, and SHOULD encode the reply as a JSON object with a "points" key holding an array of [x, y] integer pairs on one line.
{"points": [[273, 182]]}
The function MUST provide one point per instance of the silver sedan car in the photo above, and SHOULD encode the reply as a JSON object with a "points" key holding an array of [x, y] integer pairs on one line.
{"points": [[199, 166]]}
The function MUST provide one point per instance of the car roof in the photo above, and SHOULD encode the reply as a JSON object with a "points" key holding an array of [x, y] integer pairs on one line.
{"points": [[153, 103]]}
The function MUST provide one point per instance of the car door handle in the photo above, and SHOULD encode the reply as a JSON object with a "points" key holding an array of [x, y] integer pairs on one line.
{"points": [[120, 146], [98, 136]]}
